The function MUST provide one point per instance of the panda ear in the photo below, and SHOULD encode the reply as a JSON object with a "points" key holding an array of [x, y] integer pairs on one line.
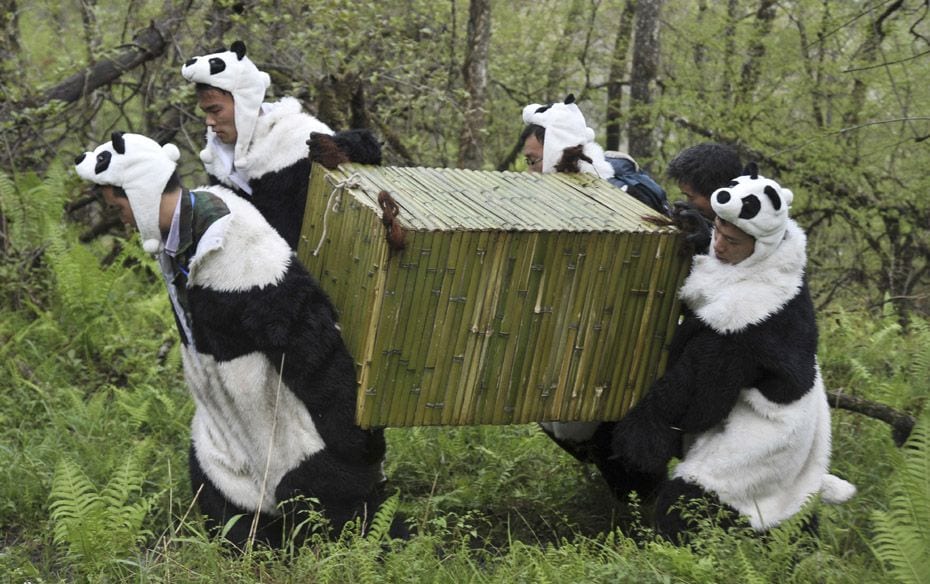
{"points": [[570, 98], [238, 47], [752, 169], [119, 145], [772, 194]]}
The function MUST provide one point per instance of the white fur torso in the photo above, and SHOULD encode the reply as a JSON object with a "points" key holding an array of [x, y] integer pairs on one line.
{"points": [[249, 428], [279, 141], [766, 459], [731, 297]]}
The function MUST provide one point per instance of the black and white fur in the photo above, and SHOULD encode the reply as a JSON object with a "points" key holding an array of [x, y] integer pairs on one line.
{"points": [[742, 400], [271, 152], [278, 171], [274, 386], [274, 429]]}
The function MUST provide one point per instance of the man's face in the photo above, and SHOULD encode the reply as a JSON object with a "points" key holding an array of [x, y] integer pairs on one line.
{"points": [[119, 203], [533, 154], [731, 244], [700, 202], [220, 114]]}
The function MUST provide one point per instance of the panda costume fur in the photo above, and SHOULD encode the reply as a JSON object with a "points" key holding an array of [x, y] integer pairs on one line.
{"points": [[566, 128], [742, 401], [273, 384], [270, 162]]}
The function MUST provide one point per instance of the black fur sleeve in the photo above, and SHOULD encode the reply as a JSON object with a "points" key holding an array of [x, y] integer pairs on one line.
{"points": [[696, 393]]}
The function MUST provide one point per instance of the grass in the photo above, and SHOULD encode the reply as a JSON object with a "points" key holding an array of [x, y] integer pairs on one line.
{"points": [[95, 429]]}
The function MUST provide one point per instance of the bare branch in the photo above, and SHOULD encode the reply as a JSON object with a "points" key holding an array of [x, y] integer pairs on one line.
{"points": [[901, 423]]}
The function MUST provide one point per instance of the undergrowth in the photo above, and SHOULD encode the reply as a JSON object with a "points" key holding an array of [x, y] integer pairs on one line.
{"points": [[95, 429]]}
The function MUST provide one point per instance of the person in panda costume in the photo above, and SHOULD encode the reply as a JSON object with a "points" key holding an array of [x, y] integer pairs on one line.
{"points": [[260, 150], [556, 138], [273, 384], [742, 402]]}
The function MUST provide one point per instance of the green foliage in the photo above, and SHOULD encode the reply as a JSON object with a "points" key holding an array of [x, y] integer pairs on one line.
{"points": [[902, 533], [34, 206], [93, 407], [96, 527], [877, 357]]}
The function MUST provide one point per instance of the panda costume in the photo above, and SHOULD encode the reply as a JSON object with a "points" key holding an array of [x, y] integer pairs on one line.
{"points": [[273, 384], [565, 128], [269, 164], [742, 400]]}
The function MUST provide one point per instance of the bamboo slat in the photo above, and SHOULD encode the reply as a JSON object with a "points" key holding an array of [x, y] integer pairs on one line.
{"points": [[519, 297]]}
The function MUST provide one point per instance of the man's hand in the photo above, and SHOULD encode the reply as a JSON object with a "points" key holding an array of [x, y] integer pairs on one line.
{"points": [[324, 150], [696, 227], [350, 146]]}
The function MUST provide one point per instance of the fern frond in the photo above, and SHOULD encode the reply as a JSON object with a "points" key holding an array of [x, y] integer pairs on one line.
{"points": [[750, 575], [98, 526], [72, 495], [902, 538], [75, 510], [380, 525], [919, 361]]}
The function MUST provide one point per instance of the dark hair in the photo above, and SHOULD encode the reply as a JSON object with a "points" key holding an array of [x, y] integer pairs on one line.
{"points": [[174, 181], [706, 167], [118, 192], [206, 88], [535, 130], [570, 159]]}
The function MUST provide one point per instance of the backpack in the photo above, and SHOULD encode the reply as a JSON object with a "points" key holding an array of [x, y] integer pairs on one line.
{"points": [[636, 182]]}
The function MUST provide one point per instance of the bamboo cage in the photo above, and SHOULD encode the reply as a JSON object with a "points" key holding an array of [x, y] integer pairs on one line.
{"points": [[519, 297]]}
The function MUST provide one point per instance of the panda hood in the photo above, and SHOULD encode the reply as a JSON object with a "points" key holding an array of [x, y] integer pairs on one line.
{"points": [[232, 71], [731, 297], [758, 206], [565, 128], [141, 167]]}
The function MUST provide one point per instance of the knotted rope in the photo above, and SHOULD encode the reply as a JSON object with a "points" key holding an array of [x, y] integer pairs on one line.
{"points": [[394, 233], [350, 181]]}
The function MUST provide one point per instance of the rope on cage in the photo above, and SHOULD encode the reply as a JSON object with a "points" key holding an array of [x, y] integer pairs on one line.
{"points": [[394, 233]]}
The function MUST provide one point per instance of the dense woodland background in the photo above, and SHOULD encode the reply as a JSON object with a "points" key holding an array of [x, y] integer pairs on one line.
{"points": [[829, 96]]}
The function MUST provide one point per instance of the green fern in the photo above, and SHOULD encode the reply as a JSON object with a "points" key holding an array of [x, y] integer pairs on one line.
{"points": [[98, 528], [920, 359], [381, 522], [902, 538], [34, 207]]}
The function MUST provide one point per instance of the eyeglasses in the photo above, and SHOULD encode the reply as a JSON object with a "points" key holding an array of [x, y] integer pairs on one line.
{"points": [[530, 161]]}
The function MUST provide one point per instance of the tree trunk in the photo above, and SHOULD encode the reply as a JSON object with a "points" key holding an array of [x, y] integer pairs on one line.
{"points": [[560, 58], [89, 26], [869, 55], [475, 74], [618, 68], [729, 50], [749, 73], [643, 77], [9, 46], [700, 49]]}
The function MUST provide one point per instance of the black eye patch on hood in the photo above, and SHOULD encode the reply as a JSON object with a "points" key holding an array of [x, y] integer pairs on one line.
{"points": [[217, 65], [103, 161]]}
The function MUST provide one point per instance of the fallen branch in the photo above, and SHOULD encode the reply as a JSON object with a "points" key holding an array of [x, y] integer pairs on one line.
{"points": [[147, 45], [900, 422]]}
